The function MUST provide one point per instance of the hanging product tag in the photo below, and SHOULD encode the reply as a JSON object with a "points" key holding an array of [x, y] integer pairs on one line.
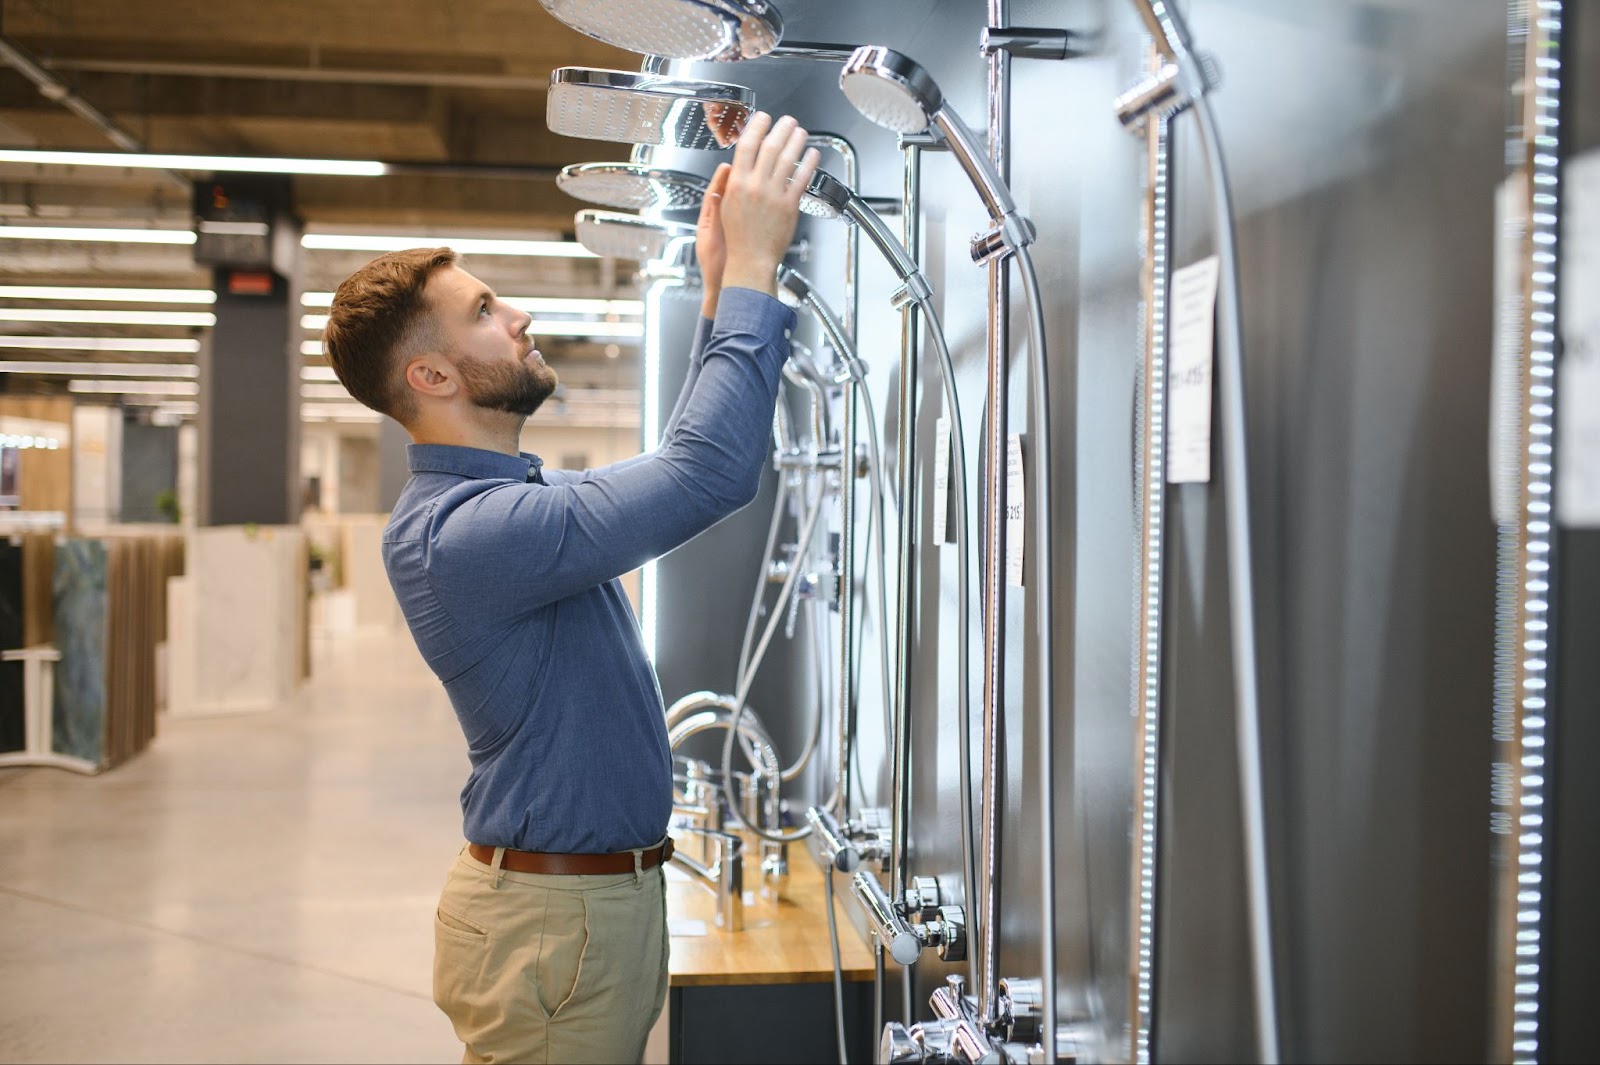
{"points": [[1578, 372], [941, 480], [1016, 510], [1194, 306]]}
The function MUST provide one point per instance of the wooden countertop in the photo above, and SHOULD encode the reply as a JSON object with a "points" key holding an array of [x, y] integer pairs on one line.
{"points": [[785, 941]]}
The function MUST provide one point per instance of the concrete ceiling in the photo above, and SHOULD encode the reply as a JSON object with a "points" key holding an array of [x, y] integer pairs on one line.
{"points": [[457, 88]]}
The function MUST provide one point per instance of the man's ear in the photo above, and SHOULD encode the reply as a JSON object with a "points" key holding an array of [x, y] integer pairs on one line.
{"points": [[431, 375]]}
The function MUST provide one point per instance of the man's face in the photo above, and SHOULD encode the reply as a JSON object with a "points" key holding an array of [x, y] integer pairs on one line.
{"points": [[487, 341]]}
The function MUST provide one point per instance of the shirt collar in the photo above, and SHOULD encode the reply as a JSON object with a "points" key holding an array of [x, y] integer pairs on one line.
{"points": [[470, 461]]}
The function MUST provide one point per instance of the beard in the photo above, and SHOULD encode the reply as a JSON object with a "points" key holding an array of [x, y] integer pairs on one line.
{"points": [[515, 388]]}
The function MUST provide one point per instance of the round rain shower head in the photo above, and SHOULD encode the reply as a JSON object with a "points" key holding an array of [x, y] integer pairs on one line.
{"points": [[826, 196], [677, 29], [615, 105], [612, 235], [891, 90], [633, 186]]}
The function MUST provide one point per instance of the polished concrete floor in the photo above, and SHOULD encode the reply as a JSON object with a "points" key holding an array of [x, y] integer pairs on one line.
{"points": [[249, 889]]}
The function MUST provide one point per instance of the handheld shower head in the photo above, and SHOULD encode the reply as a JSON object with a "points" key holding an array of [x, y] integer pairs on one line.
{"points": [[898, 94], [677, 29], [828, 197], [632, 186], [616, 105], [613, 235], [890, 89]]}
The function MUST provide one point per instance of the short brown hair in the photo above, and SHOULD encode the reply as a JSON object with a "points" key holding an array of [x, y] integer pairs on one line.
{"points": [[379, 313]]}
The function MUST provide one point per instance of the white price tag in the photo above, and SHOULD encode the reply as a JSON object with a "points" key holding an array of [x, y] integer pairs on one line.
{"points": [[1016, 510], [1578, 374], [1194, 306], [941, 479]]}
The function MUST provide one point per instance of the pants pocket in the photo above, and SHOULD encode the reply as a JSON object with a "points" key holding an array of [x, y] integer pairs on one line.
{"points": [[563, 940]]}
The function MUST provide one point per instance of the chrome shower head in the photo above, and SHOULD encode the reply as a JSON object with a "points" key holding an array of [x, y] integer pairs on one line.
{"points": [[828, 197], [633, 186], [898, 94], [677, 29], [613, 235], [615, 105], [890, 89]]}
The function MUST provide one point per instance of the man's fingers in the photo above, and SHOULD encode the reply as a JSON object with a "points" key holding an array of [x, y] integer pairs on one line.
{"points": [[750, 140], [711, 204], [802, 174], [766, 164], [790, 154]]}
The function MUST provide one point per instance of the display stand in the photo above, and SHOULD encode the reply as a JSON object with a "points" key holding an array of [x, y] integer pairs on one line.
{"points": [[38, 698]]}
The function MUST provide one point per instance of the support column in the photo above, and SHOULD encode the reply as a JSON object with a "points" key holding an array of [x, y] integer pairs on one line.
{"points": [[250, 366]]}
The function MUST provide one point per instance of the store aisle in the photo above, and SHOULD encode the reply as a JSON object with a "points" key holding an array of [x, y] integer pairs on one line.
{"points": [[250, 889]]}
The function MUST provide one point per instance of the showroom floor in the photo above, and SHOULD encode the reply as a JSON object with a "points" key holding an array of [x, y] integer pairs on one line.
{"points": [[250, 889]]}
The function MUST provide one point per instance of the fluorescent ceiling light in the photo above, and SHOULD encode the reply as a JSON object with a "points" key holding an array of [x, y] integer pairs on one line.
{"points": [[115, 236], [102, 343], [109, 295], [103, 369], [633, 330], [318, 373], [141, 388], [174, 318], [338, 412], [539, 327], [312, 347], [324, 391], [531, 304], [558, 249], [238, 164]]}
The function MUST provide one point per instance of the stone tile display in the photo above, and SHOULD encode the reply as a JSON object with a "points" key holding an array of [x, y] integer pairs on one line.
{"points": [[80, 624]]}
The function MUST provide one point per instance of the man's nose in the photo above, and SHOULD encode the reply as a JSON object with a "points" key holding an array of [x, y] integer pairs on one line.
{"points": [[523, 321]]}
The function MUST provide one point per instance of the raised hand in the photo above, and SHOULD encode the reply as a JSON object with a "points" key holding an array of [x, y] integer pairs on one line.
{"points": [[710, 246], [761, 203]]}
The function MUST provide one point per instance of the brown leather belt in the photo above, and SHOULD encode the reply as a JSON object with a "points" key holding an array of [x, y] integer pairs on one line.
{"points": [[572, 864]]}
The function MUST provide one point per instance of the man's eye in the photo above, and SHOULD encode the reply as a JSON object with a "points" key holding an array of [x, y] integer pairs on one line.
{"points": [[483, 308]]}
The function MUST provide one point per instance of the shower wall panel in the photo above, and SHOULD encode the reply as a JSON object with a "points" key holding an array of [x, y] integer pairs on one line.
{"points": [[1365, 141]]}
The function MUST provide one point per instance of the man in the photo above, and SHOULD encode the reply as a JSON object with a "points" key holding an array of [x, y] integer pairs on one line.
{"points": [[550, 938]]}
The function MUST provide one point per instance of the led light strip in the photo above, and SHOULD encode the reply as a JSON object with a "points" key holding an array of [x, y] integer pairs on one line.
{"points": [[1147, 662], [651, 431], [1538, 25]]}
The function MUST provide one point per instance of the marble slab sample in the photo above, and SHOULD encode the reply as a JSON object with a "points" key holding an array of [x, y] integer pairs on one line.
{"points": [[240, 646], [80, 624]]}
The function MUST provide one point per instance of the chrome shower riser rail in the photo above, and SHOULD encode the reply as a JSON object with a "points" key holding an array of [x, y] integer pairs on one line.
{"points": [[994, 541]]}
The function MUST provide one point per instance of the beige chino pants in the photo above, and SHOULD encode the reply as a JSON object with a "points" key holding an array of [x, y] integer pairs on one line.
{"points": [[532, 967]]}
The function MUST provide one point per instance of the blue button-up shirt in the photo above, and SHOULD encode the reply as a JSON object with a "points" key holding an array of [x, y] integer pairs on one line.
{"points": [[510, 588]]}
